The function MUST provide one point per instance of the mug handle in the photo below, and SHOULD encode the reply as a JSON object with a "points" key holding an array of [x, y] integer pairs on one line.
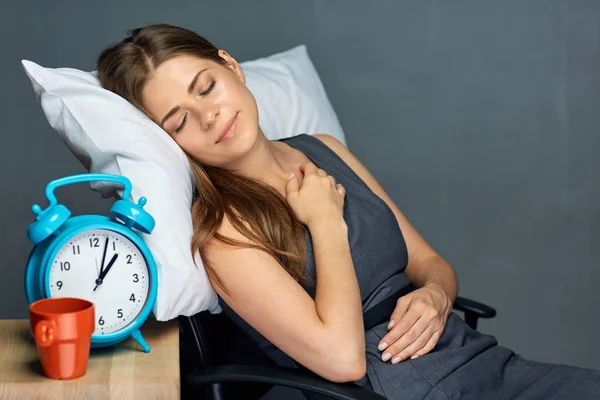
{"points": [[45, 332]]}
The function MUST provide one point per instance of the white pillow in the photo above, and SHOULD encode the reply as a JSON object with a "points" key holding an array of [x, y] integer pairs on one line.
{"points": [[290, 96], [108, 134]]}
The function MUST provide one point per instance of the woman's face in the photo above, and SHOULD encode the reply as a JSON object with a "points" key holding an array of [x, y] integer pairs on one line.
{"points": [[204, 106]]}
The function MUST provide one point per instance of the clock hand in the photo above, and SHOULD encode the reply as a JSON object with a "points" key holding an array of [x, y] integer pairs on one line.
{"points": [[103, 258], [108, 267]]}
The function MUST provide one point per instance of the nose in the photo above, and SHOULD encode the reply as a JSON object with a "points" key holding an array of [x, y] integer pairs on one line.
{"points": [[207, 115]]}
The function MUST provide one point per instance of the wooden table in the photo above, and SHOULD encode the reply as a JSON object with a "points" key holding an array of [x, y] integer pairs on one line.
{"points": [[122, 371]]}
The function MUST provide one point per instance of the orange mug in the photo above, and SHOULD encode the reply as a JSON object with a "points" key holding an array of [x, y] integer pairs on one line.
{"points": [[62, 328]]}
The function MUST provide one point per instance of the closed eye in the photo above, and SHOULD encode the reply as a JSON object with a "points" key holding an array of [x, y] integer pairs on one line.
{"points": [[206, 92], [210, 88], [182, 124]]}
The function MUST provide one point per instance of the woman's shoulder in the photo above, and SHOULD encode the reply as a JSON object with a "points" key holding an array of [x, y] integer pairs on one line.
{"points": [[306, 139], [355, 165], [338, 148], [341, 151], [331, 142], [325, 138]]}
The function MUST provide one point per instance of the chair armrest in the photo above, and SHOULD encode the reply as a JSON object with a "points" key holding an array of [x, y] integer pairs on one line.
{"points": [[473, 310], [290, 377], [475, 307]]}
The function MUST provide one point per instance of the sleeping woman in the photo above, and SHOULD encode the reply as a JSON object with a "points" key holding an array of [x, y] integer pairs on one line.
{"points": [[299, 240]]}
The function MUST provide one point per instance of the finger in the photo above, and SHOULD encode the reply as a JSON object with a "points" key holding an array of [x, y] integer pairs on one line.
{"points": [[321, 172], [414, 346], [332, 180], [401, 307], [292, 186], [341, 190], [433, 341], [404, 325], [308, 169], [410, 336]]}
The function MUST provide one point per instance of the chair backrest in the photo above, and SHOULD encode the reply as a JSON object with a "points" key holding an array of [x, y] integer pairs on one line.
{"points": [[209, 340]]}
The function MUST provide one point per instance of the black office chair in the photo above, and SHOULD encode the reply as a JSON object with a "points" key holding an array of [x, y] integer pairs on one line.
{"points": [[219, 361]]}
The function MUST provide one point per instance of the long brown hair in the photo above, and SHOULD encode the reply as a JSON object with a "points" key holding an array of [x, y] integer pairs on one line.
{"points": [[254, 208]]}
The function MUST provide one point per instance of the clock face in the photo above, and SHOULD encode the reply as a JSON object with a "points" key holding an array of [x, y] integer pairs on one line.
{"points": [[106, 268]]}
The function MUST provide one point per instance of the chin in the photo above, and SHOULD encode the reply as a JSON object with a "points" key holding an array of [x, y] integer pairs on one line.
{"points": [[246, 140], [237, 147]]}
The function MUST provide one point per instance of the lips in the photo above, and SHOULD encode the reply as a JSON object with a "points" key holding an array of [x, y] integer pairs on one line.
{"points": [[226, 128]]}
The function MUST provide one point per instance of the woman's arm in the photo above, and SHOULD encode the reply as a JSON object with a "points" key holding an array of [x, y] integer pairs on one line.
{"points": [[425, 267], [338, 302], [317, 200], [325, 335]]}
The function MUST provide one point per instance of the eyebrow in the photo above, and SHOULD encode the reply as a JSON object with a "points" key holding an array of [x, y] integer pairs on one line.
{"points": [[190, 88]]}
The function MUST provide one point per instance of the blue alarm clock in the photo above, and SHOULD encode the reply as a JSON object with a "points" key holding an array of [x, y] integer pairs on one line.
{"points": [[96, 258]]}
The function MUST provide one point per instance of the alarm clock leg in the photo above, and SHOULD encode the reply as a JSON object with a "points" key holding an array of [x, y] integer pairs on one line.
{"points": [[137, 336]]}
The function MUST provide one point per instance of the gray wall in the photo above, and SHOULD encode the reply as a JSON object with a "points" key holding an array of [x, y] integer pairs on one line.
{"points": [[480, 118]]}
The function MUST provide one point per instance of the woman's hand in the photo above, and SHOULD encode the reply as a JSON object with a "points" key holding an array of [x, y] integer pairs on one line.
{"points": [[416, 324], [317, 197]]}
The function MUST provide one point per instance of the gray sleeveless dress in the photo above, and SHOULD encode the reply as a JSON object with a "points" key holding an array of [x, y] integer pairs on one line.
{"points": [[465, 364]]}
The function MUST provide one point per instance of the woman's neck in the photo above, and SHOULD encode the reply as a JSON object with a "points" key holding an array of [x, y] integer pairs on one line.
{"points": [[270, 162]]}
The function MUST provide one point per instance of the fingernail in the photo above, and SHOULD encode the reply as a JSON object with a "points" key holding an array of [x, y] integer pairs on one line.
{"points": [[383, 346], [414, 357], [396, 360], [291, 176], [392, 322], [386, 357]]}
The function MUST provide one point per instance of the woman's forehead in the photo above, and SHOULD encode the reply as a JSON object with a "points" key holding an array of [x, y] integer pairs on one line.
{"points": [[181, 65], [172, 81]]}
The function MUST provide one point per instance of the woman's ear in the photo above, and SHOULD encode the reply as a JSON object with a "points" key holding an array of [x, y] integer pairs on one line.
{"points": [[232, 64]]}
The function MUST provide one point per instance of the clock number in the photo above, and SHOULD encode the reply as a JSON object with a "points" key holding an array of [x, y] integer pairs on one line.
{"points": [[132, 298], [76, 249], [120, 313], [135, 278], [128, 259], [65, 266], [94, 242], [59, 284], [100, 321], [114, 246]]}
